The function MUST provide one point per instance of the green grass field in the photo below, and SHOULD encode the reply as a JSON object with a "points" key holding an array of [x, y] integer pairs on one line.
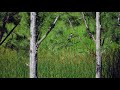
{"points": [[65, 64], [50, 65]]}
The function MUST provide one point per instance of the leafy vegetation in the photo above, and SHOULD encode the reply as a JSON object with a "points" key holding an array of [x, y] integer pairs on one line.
{"points": [[59, 57]]}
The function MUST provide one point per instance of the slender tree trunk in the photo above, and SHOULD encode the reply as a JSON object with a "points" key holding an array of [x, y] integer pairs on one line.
{"points": [[98, 51], [33, 47]]}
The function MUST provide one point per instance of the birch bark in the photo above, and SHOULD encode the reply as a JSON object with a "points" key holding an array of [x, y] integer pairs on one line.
{"points": [[98, 51]]}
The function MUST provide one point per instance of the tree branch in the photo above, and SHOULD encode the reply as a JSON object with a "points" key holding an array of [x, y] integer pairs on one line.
{"points": [[87, 27], [3, 28], [9, 34], [49, 30], [70, 23]]}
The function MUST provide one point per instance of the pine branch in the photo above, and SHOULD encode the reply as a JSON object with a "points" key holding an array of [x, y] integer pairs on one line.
{"points": [[49, 30], [87, 27]]}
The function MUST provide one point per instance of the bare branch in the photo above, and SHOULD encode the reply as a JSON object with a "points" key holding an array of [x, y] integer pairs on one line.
{"points": [[49, 30], [3, 28], [9, 34], [87, 27]]}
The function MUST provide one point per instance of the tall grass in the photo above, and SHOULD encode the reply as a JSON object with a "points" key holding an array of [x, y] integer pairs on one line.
{"points": [[66, 64], [111, 62], [12, 64], [63, 64]]}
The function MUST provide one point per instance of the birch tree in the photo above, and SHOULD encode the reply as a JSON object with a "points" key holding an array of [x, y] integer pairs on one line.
{"points": [[98, 52], [34, 44], [33, 48]]}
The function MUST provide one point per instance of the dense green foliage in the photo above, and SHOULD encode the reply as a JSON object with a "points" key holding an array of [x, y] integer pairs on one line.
{"points": [[59, 57]]}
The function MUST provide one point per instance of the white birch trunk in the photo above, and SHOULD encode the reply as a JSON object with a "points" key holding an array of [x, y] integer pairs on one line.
{"points": [[33, 48], [98, 51]]}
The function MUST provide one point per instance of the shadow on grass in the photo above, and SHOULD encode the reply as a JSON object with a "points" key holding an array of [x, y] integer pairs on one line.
{"points": [[113, 64]]}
